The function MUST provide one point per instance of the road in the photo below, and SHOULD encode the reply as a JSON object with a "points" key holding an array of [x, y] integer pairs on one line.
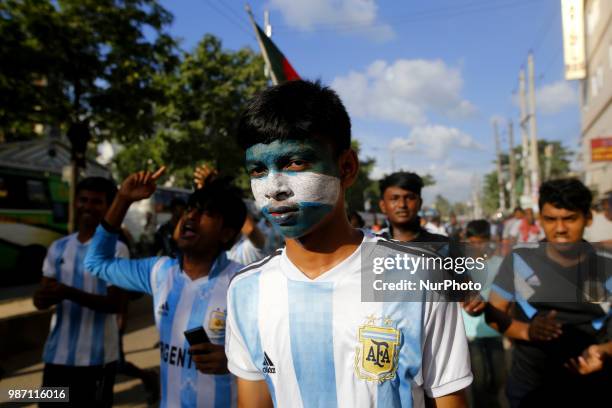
{"points": [[24, 370]]}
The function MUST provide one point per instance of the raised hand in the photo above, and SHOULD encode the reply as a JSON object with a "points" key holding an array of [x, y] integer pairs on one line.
{"points": [[141, 185], [203, 174], [544, 327], [591, 360]]}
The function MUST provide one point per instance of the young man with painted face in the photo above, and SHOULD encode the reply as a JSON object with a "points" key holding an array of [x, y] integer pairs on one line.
{"points": [[188, 292], [296, 322], [561, 322]]}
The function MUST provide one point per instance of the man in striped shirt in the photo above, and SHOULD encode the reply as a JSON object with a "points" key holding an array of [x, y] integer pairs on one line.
{"points": [[299, 334], [188, 293], [82, 348]]}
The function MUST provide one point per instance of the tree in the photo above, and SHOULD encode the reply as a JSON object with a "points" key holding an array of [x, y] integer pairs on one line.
{"points": [[442, 205], [82, 61], [203, 98], [559, 167]]}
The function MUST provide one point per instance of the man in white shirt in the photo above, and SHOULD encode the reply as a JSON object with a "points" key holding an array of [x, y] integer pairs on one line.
{"points": [[299, 333]]}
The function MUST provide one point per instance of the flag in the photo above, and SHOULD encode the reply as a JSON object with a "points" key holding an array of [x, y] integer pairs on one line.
{"points": [[280, 68]]}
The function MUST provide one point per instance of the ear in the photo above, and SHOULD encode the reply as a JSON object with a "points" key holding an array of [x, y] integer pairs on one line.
{"points": [[227, 235], [349, 167], [382, 206], [589, 218]]}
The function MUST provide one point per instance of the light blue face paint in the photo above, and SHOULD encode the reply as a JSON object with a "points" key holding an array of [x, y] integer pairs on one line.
{"points": [[295, 183]]}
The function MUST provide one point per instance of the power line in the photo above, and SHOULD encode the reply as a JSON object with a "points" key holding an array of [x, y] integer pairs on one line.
{"points": [[238, 24]]}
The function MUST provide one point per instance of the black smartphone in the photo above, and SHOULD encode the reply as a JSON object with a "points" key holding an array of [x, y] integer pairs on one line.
{"points": [[196, 335]]}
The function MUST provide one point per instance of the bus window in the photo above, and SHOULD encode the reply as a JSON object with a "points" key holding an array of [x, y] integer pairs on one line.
{"points": [[36, 194]]}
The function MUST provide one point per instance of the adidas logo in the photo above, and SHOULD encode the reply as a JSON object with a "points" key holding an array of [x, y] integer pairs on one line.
{"points": [[268, 365], [163, 309]]}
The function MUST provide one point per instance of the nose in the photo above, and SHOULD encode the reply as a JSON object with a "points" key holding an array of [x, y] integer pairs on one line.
{"points": [[560, 227], [277, 187]]}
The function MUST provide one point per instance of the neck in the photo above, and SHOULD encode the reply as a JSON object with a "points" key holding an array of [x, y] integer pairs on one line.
{"points": [[85, 234], [406, 232], [197, 265], [567, 258], [321, 250]]}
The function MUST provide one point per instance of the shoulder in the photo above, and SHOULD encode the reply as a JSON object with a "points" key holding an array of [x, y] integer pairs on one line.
{"points": [[59, 244], [251, 272]]}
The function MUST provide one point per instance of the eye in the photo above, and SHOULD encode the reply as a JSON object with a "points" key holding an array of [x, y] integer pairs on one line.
{"points": [[297, 165], [257, 171]]}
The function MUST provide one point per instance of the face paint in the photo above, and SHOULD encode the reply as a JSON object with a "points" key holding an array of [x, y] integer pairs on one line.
{"points": [[295, 184]]}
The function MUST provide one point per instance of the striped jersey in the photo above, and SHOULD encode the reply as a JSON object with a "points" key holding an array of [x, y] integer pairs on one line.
{"points": [[244, 252], [316, 344], [179, 304], [79, 336]]}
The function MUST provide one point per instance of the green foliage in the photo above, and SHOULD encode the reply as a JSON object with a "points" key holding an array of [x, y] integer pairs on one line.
{"points": [[72, 60], [559, 167], [195, 124], [364, 189]]}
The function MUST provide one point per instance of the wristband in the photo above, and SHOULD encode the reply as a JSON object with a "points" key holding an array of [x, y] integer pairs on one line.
{"points": [[109, 228]]}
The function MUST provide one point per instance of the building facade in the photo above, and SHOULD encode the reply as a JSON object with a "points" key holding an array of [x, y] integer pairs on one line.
{"points": [[596, 98]]}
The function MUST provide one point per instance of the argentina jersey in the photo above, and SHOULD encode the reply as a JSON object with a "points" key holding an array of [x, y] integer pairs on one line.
{"points": [[179, 304], [79, 336], [316, 344]]}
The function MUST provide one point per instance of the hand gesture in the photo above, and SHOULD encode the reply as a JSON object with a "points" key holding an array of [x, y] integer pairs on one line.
{"points": [[141, 185], [50, 294], [209, 358], [473, 305], [203, 174], [591, 360], [544, 327]]}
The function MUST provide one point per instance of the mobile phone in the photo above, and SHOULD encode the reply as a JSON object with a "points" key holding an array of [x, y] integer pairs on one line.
{"points": [[196, 335]]}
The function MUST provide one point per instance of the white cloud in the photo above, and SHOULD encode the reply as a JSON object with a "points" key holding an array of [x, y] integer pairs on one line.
{"points": [[404, 91], [434, 141], [341, 15], [556, 97]]}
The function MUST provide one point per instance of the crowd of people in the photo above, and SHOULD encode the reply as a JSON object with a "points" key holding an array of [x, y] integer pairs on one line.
{"points": [[278, 300]]}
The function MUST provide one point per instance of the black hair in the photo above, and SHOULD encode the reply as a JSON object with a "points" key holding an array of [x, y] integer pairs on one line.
{"points": [[569, 194], [403, 179], [177, 202], [220, 197], [296, 110], [99, 185], [517, 209], [478, 228]]}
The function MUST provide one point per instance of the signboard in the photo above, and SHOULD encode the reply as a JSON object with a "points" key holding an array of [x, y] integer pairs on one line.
{"points": [[601, 149], [572, 15]]}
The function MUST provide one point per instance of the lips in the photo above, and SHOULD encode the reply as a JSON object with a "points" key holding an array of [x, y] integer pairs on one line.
{"points": [[188, 230], [282, 215]]}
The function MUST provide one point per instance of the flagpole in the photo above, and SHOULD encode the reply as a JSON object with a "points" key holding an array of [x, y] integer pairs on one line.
{"points": [[261, 45]]}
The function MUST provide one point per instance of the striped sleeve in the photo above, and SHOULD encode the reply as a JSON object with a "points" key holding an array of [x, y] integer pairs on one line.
{"points": [[128, 274], [48, 268], [239, 359]]}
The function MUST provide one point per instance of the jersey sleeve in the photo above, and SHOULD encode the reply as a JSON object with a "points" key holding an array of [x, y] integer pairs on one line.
{"points": [[239, 361], [503, 284], [446, 358], [128, 274], [48, 268], [244, 252]]}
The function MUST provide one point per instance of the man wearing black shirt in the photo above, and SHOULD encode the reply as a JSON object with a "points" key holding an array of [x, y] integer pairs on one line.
{"points": [[560, 322], [400, 201]]}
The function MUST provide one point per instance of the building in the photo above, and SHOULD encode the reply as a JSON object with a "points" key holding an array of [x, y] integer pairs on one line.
{"points": [[596, 98]]}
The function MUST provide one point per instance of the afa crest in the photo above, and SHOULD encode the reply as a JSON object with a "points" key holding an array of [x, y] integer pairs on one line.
{"points": [[216, 323], [377, 355]]}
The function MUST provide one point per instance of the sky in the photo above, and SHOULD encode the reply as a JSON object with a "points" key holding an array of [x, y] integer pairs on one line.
{"points": [[422, 80]]}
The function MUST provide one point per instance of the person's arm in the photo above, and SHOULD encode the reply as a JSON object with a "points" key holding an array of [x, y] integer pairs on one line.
{"points": [[446, 358], [457, 399], [253, 394], [591, 360], [100, 261]]}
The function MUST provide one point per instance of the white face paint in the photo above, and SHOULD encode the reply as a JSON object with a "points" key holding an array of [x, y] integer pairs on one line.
{"points": [[293, 189]]}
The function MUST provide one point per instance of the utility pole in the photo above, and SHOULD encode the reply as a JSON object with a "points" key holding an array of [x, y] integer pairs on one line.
{"points": [[524, 139], [500, 177], [512, 164], [549, 151], [535, 163], [268, 31]]}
